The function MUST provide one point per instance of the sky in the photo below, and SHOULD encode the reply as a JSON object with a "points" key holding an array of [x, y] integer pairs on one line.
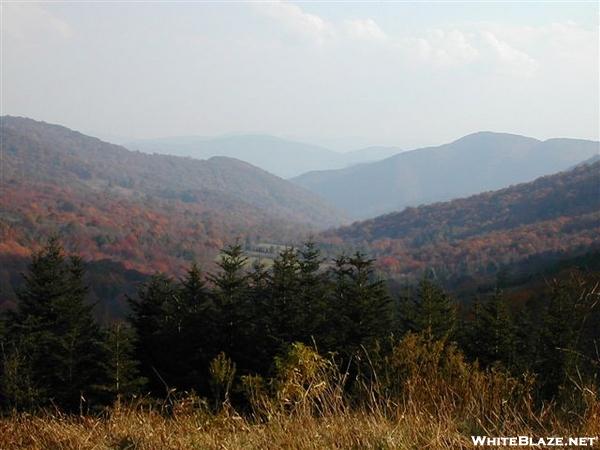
{"points": [[344, 74]]}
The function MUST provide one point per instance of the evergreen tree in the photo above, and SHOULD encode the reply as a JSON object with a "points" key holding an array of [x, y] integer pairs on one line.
{"points": [[123, 378], [490, 337], [177, 331], [362, 303], [527, 339], [153, 342], [191, 319], [61, 348], [234, 307], [287, 314], [314, 291], [564, 353], [262, 328], [431, 311], [258, 277]]}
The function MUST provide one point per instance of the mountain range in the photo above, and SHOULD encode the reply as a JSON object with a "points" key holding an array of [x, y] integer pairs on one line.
{"points": [[130, 213], [475, 163], [281, 157], [552, 217]]}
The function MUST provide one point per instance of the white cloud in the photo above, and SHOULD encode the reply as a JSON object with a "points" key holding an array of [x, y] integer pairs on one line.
{"points": [[363, 29], [512, 59], [27, 21], [298, 22], [555, 34], [566, 42], [317, 30], [440, 48]]}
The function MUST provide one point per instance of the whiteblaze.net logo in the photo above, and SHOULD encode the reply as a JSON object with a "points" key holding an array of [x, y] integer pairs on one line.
{"points": [[541, 442]]}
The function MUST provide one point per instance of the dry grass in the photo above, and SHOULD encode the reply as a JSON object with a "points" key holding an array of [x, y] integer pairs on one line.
{"points": [[149, 430], [134, 429], [427, 397]]}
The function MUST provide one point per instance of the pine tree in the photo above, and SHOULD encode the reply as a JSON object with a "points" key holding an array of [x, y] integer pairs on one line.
{"points": [[234, 308], [364, 312], [259, 279], [148, 319], [431, 311], [527, 339], [491, 335], [261, 329], [123, 377], [191, 318], [562, 351], [286, 311], [54, 331], [314, 291]]}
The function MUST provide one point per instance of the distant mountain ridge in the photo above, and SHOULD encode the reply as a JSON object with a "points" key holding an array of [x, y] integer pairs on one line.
{"points": [[281, 157], [475, 236], [475, 163]]}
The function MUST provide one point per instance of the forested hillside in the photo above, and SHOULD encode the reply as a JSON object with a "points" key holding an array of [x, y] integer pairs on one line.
{"points": [[554, 215], [473, 164], [40, 152], [146, 212]]}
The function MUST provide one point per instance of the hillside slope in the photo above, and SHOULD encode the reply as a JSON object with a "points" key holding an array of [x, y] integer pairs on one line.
{"points": [[150, 212], [476, 163], [36, 151], [553, 215]]}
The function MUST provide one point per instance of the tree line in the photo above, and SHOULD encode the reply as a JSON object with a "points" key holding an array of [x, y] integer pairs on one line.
{"points": [[179, 331]]}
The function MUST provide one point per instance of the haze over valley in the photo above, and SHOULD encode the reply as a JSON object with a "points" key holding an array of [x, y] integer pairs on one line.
{"points": [[151, 212], [281, 157]]}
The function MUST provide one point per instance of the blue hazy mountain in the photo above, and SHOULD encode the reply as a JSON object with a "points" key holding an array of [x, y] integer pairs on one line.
{"points": [[281, 157], [476, 163]]}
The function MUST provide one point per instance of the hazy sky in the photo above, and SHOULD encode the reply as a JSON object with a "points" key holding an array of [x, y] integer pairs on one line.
{"points": [[398, 73]]}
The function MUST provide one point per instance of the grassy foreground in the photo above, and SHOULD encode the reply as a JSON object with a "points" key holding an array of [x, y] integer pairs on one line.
{"points": [[148, 430], [137, 429], [424, 396]]}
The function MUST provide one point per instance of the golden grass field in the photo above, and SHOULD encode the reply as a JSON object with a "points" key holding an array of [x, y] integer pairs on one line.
{"points": [[426, 397]]}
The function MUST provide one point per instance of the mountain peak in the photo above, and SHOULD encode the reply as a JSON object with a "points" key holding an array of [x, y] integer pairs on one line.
{"points": [[475, 163], [490, 136]]}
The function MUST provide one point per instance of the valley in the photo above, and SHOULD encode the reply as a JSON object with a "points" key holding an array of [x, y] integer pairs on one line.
{"points": [[138, 214]]}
